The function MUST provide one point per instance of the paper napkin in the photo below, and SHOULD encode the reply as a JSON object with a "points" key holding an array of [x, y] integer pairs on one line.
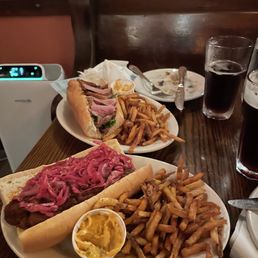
{"points": [[241, 243], [109, 70]]}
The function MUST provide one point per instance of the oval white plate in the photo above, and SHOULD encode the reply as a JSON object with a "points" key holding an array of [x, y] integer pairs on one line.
{"points": [[252, 220], [66, 119], [194, 84], [65, 249]]}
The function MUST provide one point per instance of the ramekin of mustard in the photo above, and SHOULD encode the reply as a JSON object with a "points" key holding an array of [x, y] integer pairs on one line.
{"points": [[122, 87], [99, 233]]}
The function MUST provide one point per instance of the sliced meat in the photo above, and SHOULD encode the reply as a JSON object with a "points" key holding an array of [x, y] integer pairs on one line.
{"points": [[105, 102], [14, 214], [103, 120], [104, 86], [99, 96], [35, 217], [106, 91], [101, 110]]}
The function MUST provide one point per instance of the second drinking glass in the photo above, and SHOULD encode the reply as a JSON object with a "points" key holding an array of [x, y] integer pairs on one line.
{"points": [[247, 158], [226, 62]]}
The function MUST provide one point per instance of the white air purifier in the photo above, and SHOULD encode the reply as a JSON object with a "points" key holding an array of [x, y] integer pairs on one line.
{"points": [[25, 106]]}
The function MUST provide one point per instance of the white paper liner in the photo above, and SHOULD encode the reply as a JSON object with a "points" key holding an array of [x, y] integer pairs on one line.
{"points": [[109, 70], [241, 243]]}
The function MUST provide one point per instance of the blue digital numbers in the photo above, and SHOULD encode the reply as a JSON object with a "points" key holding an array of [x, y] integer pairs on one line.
{"points": [[14, 72], [20, 72]]}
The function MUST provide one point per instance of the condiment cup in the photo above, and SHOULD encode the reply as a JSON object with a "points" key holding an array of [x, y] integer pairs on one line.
{"points": [[122, 87], [94, 212]]}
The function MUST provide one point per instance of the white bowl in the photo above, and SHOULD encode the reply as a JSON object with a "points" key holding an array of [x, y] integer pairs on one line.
{"points": [[93, 212]]}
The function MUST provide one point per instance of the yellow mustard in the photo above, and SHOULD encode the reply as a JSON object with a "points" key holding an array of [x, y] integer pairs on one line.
{"points": [[123, 87], [99, 235]]}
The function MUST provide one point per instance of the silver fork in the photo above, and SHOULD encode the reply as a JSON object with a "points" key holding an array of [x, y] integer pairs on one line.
{"points": [[152, 88]]}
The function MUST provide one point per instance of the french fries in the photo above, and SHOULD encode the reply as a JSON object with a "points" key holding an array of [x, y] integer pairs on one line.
{"points": [[168, 221], [144, 123]]}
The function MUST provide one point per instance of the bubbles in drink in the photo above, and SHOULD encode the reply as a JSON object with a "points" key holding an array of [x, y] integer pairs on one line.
{"points": [[221, 67]]}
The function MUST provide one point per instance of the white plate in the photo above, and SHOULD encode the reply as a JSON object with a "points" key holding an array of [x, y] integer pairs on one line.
{"points": [[65, 249], [194, 84], [252, 220], [66, 119]]}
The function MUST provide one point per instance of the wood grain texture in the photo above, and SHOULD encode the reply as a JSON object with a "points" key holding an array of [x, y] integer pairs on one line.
{"points": [[34, 7], [157, 34], [210, 147], [167, 39], [81, 13], [165, 6]]}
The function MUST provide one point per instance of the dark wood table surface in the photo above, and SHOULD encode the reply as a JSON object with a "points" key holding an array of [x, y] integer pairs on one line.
{"points": [[210, 147]]}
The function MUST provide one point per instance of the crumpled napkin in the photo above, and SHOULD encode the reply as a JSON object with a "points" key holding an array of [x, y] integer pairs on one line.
{"points": [[109, 70], [113, 70], [241, 243]]}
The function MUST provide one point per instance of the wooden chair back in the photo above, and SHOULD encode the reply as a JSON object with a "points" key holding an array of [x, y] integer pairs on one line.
{"points": [[154, 34]]}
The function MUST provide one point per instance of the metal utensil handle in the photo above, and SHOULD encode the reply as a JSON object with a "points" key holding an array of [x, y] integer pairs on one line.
{"points": [[153, 89], [137, 71], [180, 93], [181, 73]]}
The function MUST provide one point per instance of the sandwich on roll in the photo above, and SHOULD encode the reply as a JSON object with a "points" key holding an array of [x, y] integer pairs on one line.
{"points": [[44, 203], [95, 108]]}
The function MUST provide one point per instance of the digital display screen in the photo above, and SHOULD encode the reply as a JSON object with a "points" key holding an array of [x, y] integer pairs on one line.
{"points": [[20, 72]]}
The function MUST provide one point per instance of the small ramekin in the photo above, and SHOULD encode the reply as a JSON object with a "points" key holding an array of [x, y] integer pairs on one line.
{"points": [[98, 211]]}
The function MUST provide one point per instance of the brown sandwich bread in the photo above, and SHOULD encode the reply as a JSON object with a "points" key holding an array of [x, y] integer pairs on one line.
{"points": [[45, 202]]}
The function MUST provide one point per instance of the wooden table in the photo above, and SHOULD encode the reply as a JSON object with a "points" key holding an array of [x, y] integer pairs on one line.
{"points": [[210, 147]]}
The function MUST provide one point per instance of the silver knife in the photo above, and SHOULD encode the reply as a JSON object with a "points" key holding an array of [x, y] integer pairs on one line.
{"points": [[180, 93], [248, 204]]}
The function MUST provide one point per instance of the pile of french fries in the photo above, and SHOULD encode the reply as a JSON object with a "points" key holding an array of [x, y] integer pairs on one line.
{"points": [[172, 217], [144, 123]]}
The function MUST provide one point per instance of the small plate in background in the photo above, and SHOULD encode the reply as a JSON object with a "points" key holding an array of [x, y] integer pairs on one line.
{"points": [[194, 84]]}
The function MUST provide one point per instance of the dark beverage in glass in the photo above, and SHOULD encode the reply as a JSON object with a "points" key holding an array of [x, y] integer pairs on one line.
{"points": [[226, 62], [247, 161], [224, 78]]}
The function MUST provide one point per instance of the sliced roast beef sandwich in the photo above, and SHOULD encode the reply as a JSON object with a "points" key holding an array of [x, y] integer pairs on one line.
{"points": [[95, 108]]}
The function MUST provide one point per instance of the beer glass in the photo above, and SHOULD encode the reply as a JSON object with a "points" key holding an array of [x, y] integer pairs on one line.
{"points": [[247, 158], [226, 62]]}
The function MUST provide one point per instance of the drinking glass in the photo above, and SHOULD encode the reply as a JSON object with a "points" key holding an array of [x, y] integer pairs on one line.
{"points": [[247, 158], [226, 62]]}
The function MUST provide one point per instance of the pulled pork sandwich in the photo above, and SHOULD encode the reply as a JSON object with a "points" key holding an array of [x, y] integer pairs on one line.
{"points": [[45, 202]]}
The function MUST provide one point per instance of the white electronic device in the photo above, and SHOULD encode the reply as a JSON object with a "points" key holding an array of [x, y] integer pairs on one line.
{"points": [[25, 106]]}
